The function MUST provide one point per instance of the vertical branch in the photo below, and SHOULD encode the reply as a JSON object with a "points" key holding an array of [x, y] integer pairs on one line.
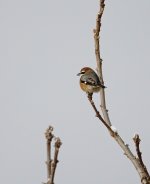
{"points": [[49, 136], [51, 163], [55, 160], [99, 60], [97, 38]]}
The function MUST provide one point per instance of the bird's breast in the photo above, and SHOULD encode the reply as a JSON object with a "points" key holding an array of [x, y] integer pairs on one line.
{"points": [[88, 88]]}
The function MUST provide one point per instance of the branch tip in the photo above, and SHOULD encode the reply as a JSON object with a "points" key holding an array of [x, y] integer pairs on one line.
{"points": [[136, 139], [51, 163], [48, 133], [58, 142]]}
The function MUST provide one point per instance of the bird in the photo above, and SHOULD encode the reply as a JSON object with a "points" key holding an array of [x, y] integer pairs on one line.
{"points": [[89, 81]]}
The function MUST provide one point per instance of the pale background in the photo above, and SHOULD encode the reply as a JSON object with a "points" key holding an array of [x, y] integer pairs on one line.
{"points": [[43, 45]]}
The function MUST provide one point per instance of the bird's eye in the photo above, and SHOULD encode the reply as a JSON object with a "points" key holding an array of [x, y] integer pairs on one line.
{"points": [[82, 72]]}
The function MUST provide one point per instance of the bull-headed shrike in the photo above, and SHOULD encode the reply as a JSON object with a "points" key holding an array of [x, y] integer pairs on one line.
{"points": [[89, 81]]}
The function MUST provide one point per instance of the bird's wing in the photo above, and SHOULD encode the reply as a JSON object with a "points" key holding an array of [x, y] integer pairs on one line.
{"points": [[91, 81], [94, 80], [88, 80]]}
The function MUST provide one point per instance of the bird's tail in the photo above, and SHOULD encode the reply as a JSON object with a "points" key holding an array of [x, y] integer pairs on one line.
{"points": [[102, 86]]}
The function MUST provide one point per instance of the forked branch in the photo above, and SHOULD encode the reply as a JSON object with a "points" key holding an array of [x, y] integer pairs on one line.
{"points": [[99, 116], [51, 163], [136, 161]]}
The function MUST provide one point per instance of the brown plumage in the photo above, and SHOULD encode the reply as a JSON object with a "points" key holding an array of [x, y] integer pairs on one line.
{"points": [[89, 81]]}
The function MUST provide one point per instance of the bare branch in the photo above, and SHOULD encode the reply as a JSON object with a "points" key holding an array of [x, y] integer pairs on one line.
{"points": [[99, 60], [137, 162], [51, 163], [99, 115], [49, 136], [145, 178], [142, 171], [137, 141], [58, 143]]}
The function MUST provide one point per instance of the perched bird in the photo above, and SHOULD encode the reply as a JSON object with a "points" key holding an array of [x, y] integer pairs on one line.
{"points": [[89, 81]]}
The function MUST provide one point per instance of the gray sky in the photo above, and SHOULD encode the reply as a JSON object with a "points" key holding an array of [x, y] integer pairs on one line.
{"points": [[43, 45]]}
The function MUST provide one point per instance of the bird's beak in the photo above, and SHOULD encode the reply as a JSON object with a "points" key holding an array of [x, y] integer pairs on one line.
{"points": [[78, 74]]}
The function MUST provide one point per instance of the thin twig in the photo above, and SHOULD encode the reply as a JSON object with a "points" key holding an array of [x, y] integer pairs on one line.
{"points": [[51, 164], [99, 60], [99, 115], [49, 136], [137, 141], [58, 143]]}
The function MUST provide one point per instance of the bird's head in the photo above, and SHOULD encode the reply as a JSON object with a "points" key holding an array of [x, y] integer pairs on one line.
{"points": [[84, 70]]}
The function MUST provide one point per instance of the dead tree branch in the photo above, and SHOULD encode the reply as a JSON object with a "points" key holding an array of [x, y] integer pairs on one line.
{"points": [[51, 163], [49, 136], [137, 141], [55, 160], [142, 171], [137, 162], [99, 60], [99, 116]]}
